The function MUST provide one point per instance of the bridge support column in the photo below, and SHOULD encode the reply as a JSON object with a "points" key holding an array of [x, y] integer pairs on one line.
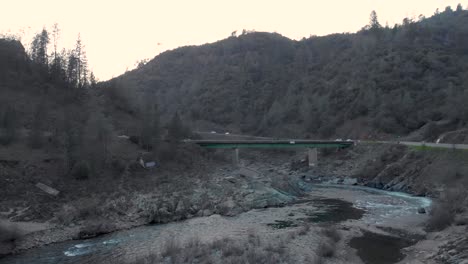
{"points": [[236, 157], [312, 157]]}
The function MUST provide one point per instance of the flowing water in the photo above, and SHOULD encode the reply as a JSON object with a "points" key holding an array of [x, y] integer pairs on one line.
{"points": [[327, 203]]}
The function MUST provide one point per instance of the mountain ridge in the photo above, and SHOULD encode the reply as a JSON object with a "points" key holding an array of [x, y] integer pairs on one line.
{"points": [[388, 81]]}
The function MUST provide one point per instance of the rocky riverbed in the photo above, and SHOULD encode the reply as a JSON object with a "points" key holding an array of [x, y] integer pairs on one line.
{"points": [[300, 225], [272, 199]]}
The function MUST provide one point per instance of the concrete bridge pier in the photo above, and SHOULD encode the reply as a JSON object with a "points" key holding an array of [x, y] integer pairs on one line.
{"points": [[236, 157], [312, 157]]}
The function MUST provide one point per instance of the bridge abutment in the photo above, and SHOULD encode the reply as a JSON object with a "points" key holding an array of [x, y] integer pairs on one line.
{"points": [[312, 157], [236, 157]]}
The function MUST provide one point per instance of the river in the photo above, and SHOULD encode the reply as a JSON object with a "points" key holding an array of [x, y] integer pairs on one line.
{"points": [[352, 206]]}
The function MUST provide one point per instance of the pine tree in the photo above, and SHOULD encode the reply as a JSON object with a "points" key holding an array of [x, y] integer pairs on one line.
{"points": [[374, 22], [92, 80], [56, 63], [176, 129], [72, 69], [78, 52], [84, 82], [96, 140], [39, 48], [80, 63], [150, 133], [55, 36]]}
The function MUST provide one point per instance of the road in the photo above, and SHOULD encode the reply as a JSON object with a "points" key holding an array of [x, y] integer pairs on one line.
{"points": [[220, 136], [427, 144]]}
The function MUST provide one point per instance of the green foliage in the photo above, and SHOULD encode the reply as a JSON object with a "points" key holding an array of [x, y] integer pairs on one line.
{"points": [[394, 80]]}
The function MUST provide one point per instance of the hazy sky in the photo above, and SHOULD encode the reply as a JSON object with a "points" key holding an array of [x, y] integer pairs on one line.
{"points": [[118, 33]]}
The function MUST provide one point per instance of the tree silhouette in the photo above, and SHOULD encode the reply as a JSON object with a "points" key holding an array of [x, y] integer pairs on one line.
{"points": [[39, 48], [374, 21]]}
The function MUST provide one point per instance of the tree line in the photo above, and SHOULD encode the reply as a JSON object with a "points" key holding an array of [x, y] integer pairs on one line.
{"points": [[48, 102], [69, 66], [380, 81]]}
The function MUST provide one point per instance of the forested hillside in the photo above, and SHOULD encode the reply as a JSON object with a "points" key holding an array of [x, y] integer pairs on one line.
{"points": [[379, 82], [53, 118], [47, 107]]}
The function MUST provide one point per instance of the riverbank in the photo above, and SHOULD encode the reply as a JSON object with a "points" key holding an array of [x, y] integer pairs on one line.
{"points": [[274, 179], [317, 227], [223, 190]]}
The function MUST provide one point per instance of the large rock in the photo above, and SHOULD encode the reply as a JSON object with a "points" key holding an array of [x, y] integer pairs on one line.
{"points": [[264, 197], [207, 212], [349, 181]]}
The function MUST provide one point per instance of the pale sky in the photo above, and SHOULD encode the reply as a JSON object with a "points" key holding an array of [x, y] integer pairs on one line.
{"points": [[118, 33]]}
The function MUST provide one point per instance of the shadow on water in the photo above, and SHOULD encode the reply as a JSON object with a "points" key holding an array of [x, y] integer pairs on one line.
{"points": [[379, 249], [325, 210], [333, 211]]}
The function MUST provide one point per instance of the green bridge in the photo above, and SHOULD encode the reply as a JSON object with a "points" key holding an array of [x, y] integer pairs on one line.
{"points": [[233, 144], [311, 145]]}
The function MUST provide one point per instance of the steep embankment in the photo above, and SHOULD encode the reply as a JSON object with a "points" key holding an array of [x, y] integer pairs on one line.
{"points": [[375, 83], [438, 173]]}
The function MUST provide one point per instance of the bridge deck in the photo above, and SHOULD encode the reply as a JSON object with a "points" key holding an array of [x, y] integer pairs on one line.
{"points": [[272, 143]]}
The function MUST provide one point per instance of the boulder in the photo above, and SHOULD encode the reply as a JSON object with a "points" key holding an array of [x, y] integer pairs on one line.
{"points": [[207, 212], [350, 181]]}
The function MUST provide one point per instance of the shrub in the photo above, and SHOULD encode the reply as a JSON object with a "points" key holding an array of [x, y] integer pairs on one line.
{"points": [[81, 170], [167, 152], [443, 211], [66, 215], [8, 233], [326, 249], [332, 234], [441, 216], [328, 151], [150, 259], [171, 248], [304, 229], [95, 228], [231, 248], [253, 237], [118, 165], [223, 250], [134, 139], [88, 208]]}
